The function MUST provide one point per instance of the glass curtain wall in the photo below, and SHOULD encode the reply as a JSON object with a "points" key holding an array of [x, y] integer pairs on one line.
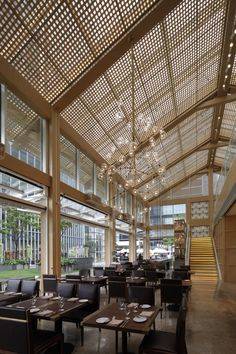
{"points": [[82, 236], [79, 172], [122, 240], [24, 132], [20, 226]]}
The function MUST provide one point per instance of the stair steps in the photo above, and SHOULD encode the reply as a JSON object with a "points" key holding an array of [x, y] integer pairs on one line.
{"points": [[202, 260]]}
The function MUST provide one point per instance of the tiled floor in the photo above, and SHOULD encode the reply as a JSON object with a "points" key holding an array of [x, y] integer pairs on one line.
{"points": [[211, 324]]}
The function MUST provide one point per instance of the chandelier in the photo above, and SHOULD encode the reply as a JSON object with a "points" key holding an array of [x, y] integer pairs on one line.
{"points": [[133, 175]]}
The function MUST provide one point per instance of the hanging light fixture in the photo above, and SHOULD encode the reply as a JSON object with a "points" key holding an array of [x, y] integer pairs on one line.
{"points": [[134, 175]]}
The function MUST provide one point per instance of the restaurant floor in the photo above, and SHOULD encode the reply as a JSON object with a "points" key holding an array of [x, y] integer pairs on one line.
{"points": [[210, 327]]}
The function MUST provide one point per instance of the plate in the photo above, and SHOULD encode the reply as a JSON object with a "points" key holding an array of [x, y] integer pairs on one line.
{"points": [[145, 306], [34, 310], [139, 319], [85, 300], [103, 320], [55, 298]]}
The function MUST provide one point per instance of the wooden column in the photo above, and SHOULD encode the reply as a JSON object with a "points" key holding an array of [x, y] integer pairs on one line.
{"points": [[132, 237], [111, 234], [211, 200], [54, 219], [146, 254]]}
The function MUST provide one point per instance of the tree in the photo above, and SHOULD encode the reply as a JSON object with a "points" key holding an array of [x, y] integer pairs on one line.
{"points": [[16, 224]]}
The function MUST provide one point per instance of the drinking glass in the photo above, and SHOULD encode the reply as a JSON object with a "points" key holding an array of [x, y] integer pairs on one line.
{"points": [[122, 304], [33, 302], [127, 311], [61, 303]]}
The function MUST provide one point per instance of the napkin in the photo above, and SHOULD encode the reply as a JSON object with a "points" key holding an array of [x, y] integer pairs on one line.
{"points": [[146, 313], [115, 322], [133, 304], [46, 296], [73, 299], [45, 312]]}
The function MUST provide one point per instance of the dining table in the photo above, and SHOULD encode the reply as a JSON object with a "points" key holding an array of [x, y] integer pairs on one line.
{"points": [[140, 281], [9, 296], [49, 308], [94, 279], [138, 319]]}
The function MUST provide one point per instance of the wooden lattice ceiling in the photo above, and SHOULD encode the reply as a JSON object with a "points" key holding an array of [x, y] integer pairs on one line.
{"points": [[179, 62]]}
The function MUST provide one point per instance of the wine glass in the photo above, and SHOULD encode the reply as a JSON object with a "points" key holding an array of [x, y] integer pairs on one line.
{"points": [[122, 304], [61, 303], [127, 311], [33, 302]]}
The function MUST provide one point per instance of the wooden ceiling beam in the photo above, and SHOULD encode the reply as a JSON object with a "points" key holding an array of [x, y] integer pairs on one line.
{"points": [[226, 65], [23, 89], [217, 101], [142, 27], [176, 161]]}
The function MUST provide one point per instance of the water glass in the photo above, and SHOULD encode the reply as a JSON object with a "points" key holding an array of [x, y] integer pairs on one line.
{"points": [[33, 302], [127, 311], [122, 304], [61, 303]]}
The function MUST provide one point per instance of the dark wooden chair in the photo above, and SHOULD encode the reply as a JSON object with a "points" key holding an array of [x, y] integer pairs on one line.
{"points": [[98, 271], [171, 294], [138, 273], [85, 291], [66, 290], [50, 285], [160, 342], [141, 294], [29, 288], [117, 290], [17, 335], [180, 274], [84, 272], [13, 285]]}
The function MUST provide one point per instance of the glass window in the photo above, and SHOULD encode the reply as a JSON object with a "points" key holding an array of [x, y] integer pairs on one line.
{"points": [[24, 132], [20, 240], [101, 186], [166, 214], [22, 189], [122, 225], [122, 246], [81, 211], [68, 163], [86, 175]]}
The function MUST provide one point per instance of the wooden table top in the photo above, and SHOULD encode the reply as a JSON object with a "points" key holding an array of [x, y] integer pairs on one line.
{"points": [[93, 280], [49, 304], [5, 296], [112, 310], [135, 280]]}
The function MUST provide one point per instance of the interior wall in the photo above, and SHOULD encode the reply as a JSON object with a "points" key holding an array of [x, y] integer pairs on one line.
{"points": [[225, 241]]}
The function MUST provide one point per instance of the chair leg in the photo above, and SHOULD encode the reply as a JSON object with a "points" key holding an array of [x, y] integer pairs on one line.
{"points": [[116, 342], [82, 335]]}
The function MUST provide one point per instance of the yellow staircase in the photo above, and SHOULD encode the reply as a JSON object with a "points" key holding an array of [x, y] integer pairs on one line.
{"points": [[202, 260]]}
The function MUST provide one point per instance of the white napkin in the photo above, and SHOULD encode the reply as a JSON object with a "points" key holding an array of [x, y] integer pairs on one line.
{"points": [[133, 304], [45, 312], [115, 322], [73, 299], [146, 313]]}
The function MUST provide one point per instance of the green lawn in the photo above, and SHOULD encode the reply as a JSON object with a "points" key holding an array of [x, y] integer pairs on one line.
{"points": [[5, 274]]}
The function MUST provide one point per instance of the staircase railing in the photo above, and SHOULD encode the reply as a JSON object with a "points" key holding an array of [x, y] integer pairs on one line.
{"points": [[188, 245], [216, 259]]}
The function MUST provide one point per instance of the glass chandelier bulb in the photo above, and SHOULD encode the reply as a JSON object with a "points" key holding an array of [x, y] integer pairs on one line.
{"points": [[109, 179], [100, 176], [152, 141], [155, 129], [147, 154], [156, 192], [119, 116], [162, 134], [135, 191], [121, 158], [111, 170], [161, 170], [140, 118], [104, 166], [126, 185], [132, 147]]}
